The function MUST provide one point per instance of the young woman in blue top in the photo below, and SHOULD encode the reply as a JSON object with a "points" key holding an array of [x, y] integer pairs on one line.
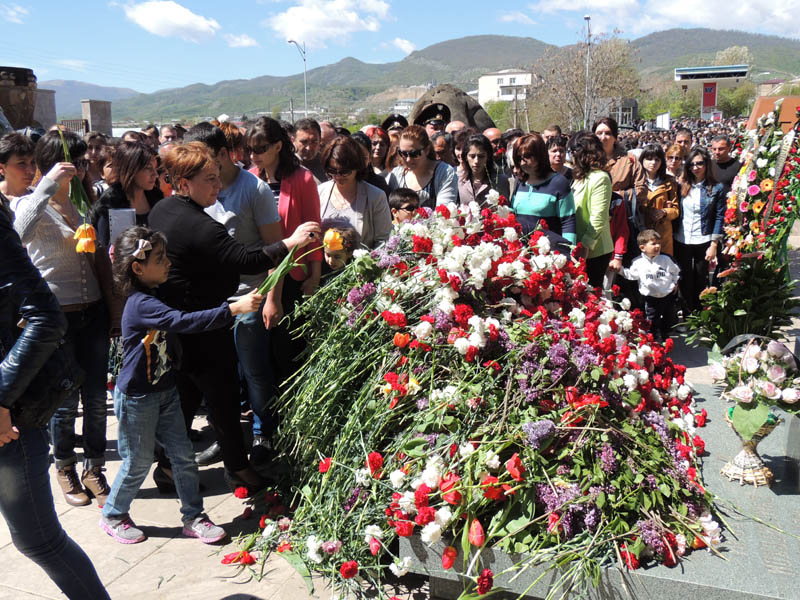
{"points": [[145, 399], [541, 193]]}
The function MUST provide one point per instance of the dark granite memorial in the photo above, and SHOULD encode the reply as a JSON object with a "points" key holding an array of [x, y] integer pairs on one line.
{"points": [[758, 560]]}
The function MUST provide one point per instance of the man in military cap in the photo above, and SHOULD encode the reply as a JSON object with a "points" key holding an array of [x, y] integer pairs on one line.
{"points": [[394, 122], [437, 120]]}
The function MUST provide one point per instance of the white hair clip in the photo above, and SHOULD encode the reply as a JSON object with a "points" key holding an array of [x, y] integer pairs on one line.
{"points": [[142, 249]]}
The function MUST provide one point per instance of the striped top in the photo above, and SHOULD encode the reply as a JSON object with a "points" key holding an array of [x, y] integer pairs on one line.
{"points": [[550, 200]]}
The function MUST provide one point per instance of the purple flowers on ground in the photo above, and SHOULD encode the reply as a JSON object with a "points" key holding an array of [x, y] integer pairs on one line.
{"points": [[538, 432], [608, 462]]}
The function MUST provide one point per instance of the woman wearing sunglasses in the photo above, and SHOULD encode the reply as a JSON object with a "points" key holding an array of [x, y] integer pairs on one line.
{"points": [[674, 160], [347, 200], [434, 181], [132, 185], [699, 226]]}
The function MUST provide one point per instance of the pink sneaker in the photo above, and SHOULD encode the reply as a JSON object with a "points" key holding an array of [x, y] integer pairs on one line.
{"points": [[204, 530]]}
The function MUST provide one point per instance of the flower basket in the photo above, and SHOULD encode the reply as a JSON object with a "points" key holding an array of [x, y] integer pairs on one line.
{"points": [[747, 466]]}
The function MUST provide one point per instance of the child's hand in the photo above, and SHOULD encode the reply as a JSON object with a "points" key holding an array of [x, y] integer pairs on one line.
{"points": [[247, 304], [307, 232]]}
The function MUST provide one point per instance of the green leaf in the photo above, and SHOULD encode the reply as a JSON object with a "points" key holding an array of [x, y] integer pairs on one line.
{"points": [[287, 264], [748, 420], [740, 313], [634, 398], [416, 447], [664, 489], [297, 563], [601, 500]]}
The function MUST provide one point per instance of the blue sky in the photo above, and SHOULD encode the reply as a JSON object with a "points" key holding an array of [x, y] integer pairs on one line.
{"points": [[153, 44]]}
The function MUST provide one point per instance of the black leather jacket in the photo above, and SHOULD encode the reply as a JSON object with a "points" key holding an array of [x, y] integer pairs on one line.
{"points": [[23, 295]]}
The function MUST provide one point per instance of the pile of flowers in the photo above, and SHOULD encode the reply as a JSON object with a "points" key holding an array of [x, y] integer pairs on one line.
{"points": [[466, 385], [754, 294], [760, 375]]}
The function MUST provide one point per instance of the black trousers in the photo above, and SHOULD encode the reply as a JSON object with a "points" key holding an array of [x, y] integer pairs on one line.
{"points": [[659, 312], [691, 258], [596, 269], [209, 370]]}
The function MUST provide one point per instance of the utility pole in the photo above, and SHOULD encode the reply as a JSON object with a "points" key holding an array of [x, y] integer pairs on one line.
{"points": [[291, 108], [586, 109], [302, 52]]}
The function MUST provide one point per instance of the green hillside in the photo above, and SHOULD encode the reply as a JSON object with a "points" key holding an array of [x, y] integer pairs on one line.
{"points": [[342, 86]]}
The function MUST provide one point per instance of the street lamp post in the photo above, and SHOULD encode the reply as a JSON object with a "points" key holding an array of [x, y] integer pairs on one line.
{"points": [[586, 111], [302, 51]]}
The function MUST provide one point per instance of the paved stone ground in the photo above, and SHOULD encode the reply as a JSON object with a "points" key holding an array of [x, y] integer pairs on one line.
{"points": [[170, 567]]}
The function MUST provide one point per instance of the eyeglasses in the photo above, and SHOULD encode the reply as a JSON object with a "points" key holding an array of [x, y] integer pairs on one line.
{"points": [[338, 172], [674, 158], [81, 164], [697, 165], [410, 153], [259, 149]]}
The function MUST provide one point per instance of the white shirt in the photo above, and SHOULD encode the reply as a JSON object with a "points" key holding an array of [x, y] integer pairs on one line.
{"points": [[657, 277], [691, 232]]}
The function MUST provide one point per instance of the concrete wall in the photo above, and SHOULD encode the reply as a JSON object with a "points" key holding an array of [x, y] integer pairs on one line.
{"points": [[44, 112], [98, 113]]}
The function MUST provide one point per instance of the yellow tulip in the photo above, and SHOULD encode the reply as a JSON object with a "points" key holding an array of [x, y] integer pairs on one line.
{"points": [[333, 240], [85, 232], [85, 245]]}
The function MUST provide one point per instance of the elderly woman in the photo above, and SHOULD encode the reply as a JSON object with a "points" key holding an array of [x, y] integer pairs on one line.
{"points": [[206, 265], [591, 188], [47, 221], [479, 174], [699, 226], [347, 200], [434, 181]]}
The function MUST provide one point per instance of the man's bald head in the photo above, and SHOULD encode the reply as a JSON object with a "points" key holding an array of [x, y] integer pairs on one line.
{"points": [[454, 126], [494, 135]]}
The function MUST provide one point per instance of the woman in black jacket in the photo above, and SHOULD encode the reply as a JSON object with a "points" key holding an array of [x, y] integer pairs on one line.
{"points": [[25, 499], [132, 186], [206, 264]]}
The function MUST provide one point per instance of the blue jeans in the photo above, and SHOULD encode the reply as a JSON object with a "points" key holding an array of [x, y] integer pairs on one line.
{"points": [[143, 419], [87, 336], [26, 504], [253, 349]]}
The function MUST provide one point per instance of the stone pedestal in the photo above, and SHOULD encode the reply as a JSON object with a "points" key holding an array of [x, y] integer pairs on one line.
{"points": [[98, 114], [17, 95], [759, 561], [45, 111]]}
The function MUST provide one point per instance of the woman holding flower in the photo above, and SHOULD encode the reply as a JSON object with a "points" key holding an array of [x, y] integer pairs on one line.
{"points": [[699, 226], [346, 200], [479, 174], [48, 223], [434, 181], [206, 265]]}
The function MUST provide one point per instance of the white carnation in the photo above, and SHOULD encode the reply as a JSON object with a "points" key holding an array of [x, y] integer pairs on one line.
{"points": [[401, 567], [397, 477], [431, 533], [492, 460]]}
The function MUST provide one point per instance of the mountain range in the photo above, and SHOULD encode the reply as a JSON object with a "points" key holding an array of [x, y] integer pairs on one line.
{"points": [[350, 82]]}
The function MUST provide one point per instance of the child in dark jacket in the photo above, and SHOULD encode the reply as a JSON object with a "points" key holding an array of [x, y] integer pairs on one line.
{"points": [[145, 399]]}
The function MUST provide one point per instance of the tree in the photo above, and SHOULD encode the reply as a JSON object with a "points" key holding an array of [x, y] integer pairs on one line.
{"points": [[734, 55], [561, 78], [500, 112], [735, 102]]}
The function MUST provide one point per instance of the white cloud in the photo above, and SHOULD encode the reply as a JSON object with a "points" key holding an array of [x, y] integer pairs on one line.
{"points": [[166, 18], [316, 22], [240, 41], [13, 13], [516, 17], [74, 64], [404, 45], [645, 16]]}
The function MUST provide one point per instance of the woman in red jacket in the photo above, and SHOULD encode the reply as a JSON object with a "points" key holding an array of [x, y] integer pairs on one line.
{"points": [[274, 161]]}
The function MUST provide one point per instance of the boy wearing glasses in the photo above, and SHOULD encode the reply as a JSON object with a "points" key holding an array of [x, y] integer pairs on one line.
{"points": [[403, 203]]}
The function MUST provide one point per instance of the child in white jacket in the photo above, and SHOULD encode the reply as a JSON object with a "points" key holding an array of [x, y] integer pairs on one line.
{"points": [[657, 275]]}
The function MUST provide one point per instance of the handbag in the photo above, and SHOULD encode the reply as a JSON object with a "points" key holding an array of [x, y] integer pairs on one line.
{"points": [[58, 378]]}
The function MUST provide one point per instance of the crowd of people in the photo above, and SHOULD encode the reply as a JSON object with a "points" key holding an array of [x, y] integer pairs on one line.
{"points": [[190, 222]]}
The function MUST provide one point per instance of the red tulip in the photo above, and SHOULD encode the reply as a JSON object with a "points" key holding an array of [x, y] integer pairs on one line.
{"points": [[374, 546], [449, 557], [476, 535]]}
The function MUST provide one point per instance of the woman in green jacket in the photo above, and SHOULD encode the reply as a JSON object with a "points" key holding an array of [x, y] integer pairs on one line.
{"points": [[591, 189]]}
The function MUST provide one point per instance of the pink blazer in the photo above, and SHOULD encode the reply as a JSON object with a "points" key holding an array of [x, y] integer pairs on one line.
{"points": [[297, 204]]}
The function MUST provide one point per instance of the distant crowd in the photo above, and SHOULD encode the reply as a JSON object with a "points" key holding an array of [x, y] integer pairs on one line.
{"points": [[188, 223]]}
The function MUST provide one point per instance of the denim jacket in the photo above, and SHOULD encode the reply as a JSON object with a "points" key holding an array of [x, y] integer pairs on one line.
{"points": [[712, 211], [24, 296]]}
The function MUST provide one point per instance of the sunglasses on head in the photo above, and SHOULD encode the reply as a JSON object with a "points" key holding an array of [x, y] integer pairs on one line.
{"points": [[259, 149], [340, 172], [410, 153]]}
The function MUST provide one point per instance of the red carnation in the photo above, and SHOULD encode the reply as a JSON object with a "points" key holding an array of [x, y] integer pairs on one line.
{"points": [[485, 581], [515, 467], [425, 515], [699, 445], [241, 492], [404, 528], [462, 314], [374, 463], [325, 464], [349, 569], [630, 559]]}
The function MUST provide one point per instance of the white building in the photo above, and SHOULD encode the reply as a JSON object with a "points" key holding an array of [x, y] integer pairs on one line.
{"points": [[503, 85]]}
